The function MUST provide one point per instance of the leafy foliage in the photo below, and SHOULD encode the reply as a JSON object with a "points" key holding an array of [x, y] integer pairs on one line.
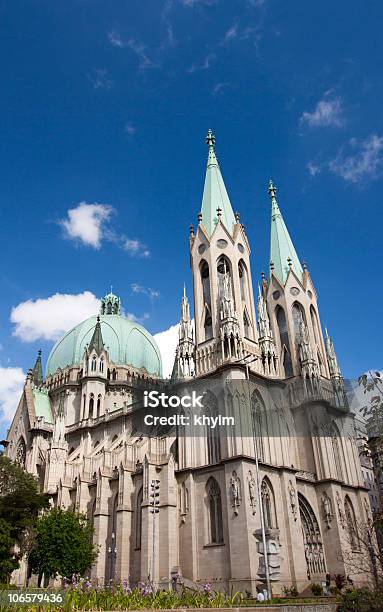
{"points": [[20, 502], [317, 589], [82, 594], [373, 382], [361, 600], [63, 544]]}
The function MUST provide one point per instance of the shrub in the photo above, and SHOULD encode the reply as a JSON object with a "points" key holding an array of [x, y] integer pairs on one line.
{"points": [[290, 591], [317, 589], [361, 600]]}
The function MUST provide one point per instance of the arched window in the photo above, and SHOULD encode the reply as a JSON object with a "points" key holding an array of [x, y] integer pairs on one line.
{"points": [[243, 281], [91, 404], [114, 374], [284, 341], [224, 272], [212, 434], [109, 308], [113, 539], [298, 316], [99, 405], [314, 323], [207, 319], [214, 504], [257, 417], [138, 518], [337, 454], [351, 524], [101, 364], [312, 540], [93, 364], [268, 504], [115, 308], [246, 324], [21, 453]]}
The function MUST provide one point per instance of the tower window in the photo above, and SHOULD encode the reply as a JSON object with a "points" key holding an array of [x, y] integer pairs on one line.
{"points": [[284, 341], [298, 316], [93, 363], [101, 364], [214, 511]]}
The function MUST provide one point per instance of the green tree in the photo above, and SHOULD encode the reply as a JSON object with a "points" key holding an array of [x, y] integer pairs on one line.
{"points": [[63, 544], [20, 503]]}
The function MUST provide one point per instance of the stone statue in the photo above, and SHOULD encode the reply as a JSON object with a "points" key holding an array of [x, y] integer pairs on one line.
{"points": [[235, 489], [293, 500], [252, 491], [342, 519], [327, 509]]}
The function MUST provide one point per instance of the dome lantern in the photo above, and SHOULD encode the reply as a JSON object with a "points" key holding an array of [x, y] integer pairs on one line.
{"points": [[110, 304]]}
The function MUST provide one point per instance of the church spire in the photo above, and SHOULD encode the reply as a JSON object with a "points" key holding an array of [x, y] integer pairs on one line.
{"points": [[283, 255], [332, 360], [37, 374], [215, 195], [97, 342], [184, 361]]}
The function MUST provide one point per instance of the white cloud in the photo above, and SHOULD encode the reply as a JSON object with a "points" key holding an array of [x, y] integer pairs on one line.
{"points": [[99, 79], [115, 39], [365, 162], [86, 223], [327, 113], [204, 65], [135, 319], [136, 46], [313, 168], [49, 318], [152, 293], [219, 88], [231, 33], [135, 247], [167, 343], [11, 385]]}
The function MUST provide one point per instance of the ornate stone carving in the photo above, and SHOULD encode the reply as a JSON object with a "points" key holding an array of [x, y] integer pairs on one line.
{"points": [[327, 509], [235, 492], [342, 518], [252, 491], [293, 500]]}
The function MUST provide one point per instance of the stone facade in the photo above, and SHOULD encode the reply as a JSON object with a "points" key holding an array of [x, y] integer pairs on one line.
{"points": [[295, 464]]}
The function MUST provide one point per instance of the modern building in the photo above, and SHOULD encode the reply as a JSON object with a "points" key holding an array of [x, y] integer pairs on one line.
{"points": [[289, 481]]}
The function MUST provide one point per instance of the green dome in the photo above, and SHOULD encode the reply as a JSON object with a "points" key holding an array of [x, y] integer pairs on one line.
{"points": [[127, 343]]}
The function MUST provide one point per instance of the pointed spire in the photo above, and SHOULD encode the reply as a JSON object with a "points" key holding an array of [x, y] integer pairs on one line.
{"points": [[332, 360], [184, 360], [282, 251], [37, 375], [97, 343], [215, 195]]}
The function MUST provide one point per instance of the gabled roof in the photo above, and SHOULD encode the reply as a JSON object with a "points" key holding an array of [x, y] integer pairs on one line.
{"points": [[215, 194], [282, 251]]}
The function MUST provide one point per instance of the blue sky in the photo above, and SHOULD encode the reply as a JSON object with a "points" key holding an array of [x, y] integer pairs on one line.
{"points": [[108, 104]]}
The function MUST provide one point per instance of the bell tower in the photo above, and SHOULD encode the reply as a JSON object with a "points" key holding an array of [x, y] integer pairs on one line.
{"points": [[292, 305], [225, 322]]}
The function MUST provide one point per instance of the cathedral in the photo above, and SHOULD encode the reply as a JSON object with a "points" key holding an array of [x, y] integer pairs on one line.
{"points": [[276, 502]]}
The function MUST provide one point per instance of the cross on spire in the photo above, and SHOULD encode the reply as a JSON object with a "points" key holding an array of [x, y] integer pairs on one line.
{"points": [[210, 139], [272, 189]]}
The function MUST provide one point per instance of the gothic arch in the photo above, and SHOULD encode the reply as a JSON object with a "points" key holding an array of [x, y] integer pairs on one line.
{"points": [[258, 423], [212, 435], [298, 314], [268, 504], [206, 296], [214, 511], [315, 324], [312, 539], [284, 341], [352, 530], [21, 452], [336, 447]]}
